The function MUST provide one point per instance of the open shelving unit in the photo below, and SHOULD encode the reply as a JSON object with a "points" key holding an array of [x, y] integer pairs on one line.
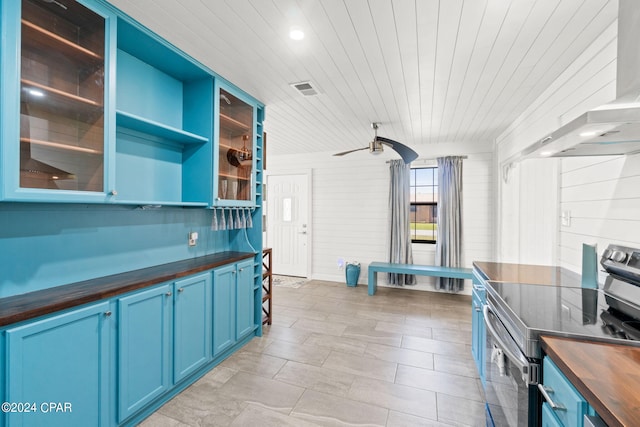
{"points": [[164, 128]]}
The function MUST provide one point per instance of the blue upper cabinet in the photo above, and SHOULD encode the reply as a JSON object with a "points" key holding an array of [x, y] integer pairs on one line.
{"points": [[164, 124], [55, 101], [235, 152], [98, 109]]}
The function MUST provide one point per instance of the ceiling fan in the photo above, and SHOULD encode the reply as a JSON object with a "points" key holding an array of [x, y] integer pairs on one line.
{"points": [[376, 146]]}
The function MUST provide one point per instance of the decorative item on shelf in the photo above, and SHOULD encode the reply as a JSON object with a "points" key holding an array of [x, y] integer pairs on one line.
{"points": [[234, 190], [242, 157], [224, 184]]}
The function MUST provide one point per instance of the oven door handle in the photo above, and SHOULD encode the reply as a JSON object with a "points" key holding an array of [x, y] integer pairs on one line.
{"points": [[522, 366]]}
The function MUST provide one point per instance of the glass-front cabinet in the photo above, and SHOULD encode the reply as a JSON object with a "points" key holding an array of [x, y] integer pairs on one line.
{"points": [[235, 153], [60, 142]]}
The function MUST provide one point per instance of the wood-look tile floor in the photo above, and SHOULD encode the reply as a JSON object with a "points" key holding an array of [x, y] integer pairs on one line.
{"points": [[335, 356]]}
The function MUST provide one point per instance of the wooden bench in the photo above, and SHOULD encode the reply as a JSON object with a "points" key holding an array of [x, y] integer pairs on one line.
{"points": [[419, 270]]}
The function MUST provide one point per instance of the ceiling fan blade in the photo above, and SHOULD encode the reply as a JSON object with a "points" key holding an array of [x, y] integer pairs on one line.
{"points": [[350, 151], [407, 154]]}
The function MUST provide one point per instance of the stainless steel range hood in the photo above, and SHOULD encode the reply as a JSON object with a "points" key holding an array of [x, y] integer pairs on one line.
{"points": [[613, 128]]}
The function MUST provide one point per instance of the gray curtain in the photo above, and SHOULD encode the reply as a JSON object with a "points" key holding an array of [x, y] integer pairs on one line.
{"points": [[399, 210], [449, 240]]}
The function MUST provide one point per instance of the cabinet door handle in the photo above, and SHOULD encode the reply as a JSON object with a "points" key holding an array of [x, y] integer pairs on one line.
{"points": [[477, 307], [168, 294], [241, 269], [107, 313], [233, 272], [545, 390], [113, 193], [180, 290]]}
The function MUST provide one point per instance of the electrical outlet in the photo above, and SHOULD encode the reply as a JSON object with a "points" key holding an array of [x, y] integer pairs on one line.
{"points": [[193, 238], [566, 312]]}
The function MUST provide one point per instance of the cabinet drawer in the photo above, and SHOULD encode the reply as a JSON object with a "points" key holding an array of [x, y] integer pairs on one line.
{"points": [[571, 405]]}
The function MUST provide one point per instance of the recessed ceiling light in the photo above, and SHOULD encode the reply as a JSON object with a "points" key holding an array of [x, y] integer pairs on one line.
{"points": [[546, 153], [296, 33]]}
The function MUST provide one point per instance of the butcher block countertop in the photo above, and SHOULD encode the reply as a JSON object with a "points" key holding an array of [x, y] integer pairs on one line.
{"points": [[527, 273], [17, 308], [607, 376]]}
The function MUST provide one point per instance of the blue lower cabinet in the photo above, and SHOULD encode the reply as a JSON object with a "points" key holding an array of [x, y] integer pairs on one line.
{"points": [[478, 330], [144, 348], [548, 417], [224, 312], [60, 369], [245, 323], [89, 367], [570, 405], [192, 325], [233, 304]]}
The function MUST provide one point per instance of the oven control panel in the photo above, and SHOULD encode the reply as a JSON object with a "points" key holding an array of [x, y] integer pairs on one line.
{"points": [[622, 261]]}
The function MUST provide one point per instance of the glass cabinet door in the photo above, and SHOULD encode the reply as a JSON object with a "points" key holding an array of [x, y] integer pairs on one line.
{"points": [[235, 148], [61, 96]]}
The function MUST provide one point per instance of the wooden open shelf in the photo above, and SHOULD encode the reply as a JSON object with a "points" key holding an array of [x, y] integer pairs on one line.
{"points": [[60, 93], [61, 146], [36, 34], [236, 177], [232, 124]]}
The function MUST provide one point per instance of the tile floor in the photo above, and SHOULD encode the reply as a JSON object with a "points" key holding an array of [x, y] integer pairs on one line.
{"points": [[335, 356]]}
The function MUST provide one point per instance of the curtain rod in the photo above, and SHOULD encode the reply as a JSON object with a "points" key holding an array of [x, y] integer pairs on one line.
{"points": [[430, 160]]}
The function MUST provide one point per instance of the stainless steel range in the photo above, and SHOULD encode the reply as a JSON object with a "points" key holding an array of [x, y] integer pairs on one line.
{"points": [[517, 314]]}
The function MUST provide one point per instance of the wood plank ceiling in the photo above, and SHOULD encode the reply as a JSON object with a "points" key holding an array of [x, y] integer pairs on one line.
{"points": [[431, 71]]}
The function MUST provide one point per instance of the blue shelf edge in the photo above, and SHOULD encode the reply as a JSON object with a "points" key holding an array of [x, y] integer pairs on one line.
{"points": [[141, 124]]}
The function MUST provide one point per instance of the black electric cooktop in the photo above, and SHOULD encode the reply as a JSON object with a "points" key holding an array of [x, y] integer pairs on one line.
{"points": [[529, 311]]}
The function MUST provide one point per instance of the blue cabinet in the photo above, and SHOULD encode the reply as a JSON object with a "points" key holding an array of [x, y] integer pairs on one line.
{"points": [[114, 362], [563, 405], [478, 330], [236, 142], [245, 316], [224, 296], [61, 367], [548, 417], [102, 110], [192, 325], [144, 348], [56, 103], [233, 304]]}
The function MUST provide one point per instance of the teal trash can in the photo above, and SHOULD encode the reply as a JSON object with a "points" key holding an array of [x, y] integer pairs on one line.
{"points": [[352, 271]]}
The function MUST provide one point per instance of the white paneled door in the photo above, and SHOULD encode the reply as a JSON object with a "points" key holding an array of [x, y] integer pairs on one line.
{"points": [[287, 223]]}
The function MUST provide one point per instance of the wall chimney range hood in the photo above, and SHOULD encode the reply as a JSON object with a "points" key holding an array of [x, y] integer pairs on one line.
{"points": [[613, 128]]}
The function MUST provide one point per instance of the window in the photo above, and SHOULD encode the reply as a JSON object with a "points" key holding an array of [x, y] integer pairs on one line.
{"points": [[424, 204]]}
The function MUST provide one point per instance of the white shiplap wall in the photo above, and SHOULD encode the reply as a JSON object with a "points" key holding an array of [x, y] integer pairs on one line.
{"points": [[602, 194], [350, 213]]}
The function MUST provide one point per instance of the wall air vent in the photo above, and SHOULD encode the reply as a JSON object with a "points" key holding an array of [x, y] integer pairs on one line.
{"points": [[305, 88]]}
